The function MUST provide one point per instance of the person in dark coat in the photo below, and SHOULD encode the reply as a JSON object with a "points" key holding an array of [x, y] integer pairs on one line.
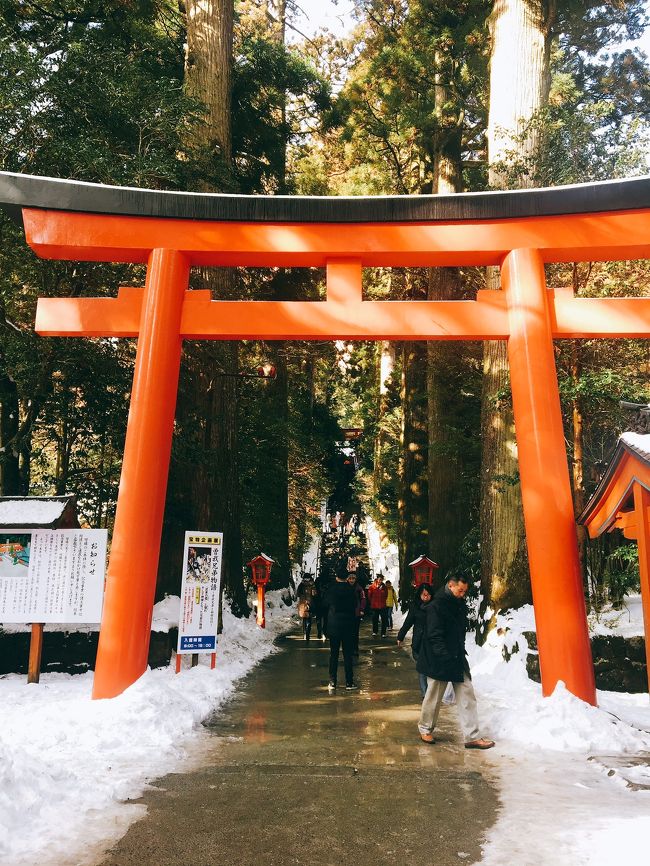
{"points": [[342, 603], [306, 594], [360, 607], [415, 619], [442, 659]]}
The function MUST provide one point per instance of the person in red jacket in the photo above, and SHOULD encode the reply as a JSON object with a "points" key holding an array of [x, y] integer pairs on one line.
{"points": [[377, 594]]}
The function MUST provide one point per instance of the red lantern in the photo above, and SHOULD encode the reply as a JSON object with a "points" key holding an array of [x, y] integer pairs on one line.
{"points": [[423, 569], [260, 567]]}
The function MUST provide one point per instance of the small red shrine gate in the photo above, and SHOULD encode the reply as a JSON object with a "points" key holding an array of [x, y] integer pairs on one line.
{"points": [[519, 231]]}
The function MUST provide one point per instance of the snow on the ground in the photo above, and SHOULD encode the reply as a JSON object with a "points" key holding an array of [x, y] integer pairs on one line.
{"points": [[553, 755], [562, 803], [68, 764], [626, 622]]}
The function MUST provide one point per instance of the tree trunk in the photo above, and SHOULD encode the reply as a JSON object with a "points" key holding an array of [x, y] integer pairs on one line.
{"points": [[278, 506], [412, 502], [445, 527], [444, 466], [579, 492], [208, 71], [386, 367], [519, 83], [10, 482], [204, 486]]}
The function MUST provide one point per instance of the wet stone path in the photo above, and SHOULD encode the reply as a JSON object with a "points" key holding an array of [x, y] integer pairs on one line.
{"points": [[292, 775]]}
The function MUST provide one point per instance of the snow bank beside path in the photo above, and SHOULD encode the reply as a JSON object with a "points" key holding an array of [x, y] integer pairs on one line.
{"points": [[67, 764], [558, 807], [512, 708]]}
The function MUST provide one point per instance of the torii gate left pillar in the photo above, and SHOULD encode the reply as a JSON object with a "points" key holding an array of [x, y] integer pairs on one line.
{"points": [[126, 621], [526, 313]]}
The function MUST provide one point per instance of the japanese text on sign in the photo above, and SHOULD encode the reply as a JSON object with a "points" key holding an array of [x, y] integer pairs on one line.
{"points": [[52, 575], [197, 627]]}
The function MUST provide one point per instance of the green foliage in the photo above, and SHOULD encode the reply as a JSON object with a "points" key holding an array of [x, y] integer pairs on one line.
{"points": [[622, 573], [277, 100], [416, 90]]}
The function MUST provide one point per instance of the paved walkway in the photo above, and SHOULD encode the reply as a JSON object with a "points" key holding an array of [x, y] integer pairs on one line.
{"points": [[295, 776]]}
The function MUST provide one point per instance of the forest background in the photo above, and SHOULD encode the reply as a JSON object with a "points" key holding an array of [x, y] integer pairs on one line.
{"points": [[421, 97]]}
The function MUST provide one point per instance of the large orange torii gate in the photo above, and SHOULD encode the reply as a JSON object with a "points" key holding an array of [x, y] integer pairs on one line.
{"points": [[170, 232]]}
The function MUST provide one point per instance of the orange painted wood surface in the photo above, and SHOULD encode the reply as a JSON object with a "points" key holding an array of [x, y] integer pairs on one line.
{"points": [[578, 237], [642, 509], [203, 318], [128, 601], [555, 575], [35, 653], [617, 493]]}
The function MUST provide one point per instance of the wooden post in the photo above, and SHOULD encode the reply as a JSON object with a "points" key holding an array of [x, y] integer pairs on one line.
{"points": [[126, 623], [642, 508], [35, 652], [556, 579], [195, 659]]}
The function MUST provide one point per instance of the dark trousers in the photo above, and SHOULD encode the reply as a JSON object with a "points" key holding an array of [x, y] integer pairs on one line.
{"points": [[346, 640], [357, 626], [306, 626], [377, 614]]}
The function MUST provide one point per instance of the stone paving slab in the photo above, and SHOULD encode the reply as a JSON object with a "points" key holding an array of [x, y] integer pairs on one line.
{"points": [[292, 775]]}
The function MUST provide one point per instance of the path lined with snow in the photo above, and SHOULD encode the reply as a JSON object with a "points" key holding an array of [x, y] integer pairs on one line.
{"points": [[69, 766]]}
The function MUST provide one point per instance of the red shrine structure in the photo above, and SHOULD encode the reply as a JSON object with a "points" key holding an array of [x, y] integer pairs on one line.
{"points": [[622, 501], [170, 232]]}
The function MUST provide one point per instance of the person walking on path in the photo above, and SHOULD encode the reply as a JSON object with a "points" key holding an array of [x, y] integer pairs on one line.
{"points": [[391, 603], [359, 609], [442, 659], [342, 602], [306, 594], [416, 619], [377, 593]]}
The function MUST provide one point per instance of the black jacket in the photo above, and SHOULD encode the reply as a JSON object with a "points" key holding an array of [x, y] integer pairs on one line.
{"points": [[342, 603], [415, 619], [442, 652]]}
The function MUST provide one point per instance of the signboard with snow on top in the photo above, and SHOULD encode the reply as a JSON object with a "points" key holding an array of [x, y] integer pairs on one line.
{"points": [[199, 613], [51, 571]]}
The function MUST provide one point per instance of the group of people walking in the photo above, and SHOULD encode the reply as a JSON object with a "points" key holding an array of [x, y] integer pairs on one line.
{"points": [[439, 623], [383, 600]]}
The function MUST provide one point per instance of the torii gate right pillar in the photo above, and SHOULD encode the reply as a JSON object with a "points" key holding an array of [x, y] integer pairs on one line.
{"points": [[556, 579]]}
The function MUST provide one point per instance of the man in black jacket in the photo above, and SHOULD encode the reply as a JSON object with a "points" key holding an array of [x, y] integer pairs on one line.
{"points": [[341, 600], [442, 659]]}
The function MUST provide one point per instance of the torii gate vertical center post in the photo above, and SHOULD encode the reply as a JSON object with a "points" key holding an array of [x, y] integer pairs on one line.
{"points": [[172, 231]]}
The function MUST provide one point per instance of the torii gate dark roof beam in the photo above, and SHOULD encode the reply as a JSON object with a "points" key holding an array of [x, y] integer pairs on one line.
{"points": [[18, 191]]}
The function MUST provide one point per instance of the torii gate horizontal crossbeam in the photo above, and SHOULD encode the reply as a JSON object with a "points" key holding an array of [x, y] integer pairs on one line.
{"points": [[205, 319]]}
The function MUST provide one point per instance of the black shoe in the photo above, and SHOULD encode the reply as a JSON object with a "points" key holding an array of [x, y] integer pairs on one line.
{"points": [[350, 687], [331, 688]]}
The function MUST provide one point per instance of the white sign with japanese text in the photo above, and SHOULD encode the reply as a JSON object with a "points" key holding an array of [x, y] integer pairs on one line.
{"points": [[52, 575], [197, 627]]}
